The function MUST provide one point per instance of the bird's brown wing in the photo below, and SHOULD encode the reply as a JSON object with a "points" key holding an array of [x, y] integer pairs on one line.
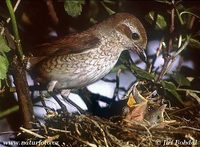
{"points": [[71, 44], [68, 45]]}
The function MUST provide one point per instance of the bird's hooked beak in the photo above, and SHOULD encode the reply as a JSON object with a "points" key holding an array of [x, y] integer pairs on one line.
{"points": [[142, 55]]}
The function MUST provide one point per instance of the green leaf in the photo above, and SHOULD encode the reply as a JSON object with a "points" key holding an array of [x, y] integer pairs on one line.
{"points": [[160, 20], [121, 67], [3, 67], [194, 95], [171, 88], [110, 1], [110, 12], [194, 43], [9, 111], [74, 7], [180, 79], [169, 85], [164, 1], [3, 46], [141, 74]]}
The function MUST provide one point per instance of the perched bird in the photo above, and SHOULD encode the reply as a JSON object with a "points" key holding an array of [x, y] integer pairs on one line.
{"points": [[80, 59]]}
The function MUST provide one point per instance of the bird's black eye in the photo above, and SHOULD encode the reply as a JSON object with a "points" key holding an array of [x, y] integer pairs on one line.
{"points": [[135, 36]]}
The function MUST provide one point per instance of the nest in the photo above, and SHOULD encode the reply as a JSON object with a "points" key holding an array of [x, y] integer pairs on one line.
{"points": [[87, 130], [137, 125]]}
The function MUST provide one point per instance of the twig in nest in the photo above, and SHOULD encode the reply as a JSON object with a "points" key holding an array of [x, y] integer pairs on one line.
{"points": [[140, 124], [101, 129], [191, 128], [77, 130], [31, 133], [48, 140], [58, 130], [85, 142], [114, 139]]}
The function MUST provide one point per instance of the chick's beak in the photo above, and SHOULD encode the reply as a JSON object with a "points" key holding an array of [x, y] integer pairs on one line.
{"points": [[142, 55]]}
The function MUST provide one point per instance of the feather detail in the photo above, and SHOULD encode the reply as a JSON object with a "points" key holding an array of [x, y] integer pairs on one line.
{"points": [[68, 45]]}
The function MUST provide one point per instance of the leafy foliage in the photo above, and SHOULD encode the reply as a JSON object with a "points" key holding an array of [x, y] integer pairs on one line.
{"points": [[3, 67], [171, 88], [159, 20], [3, 46], [73, 8], [193, 94], [180, 79], [142, 74], [3, 59], [173, 43], [194, 43]]}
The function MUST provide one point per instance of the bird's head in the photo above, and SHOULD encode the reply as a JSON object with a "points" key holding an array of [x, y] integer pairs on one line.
{"points": [[132, 35]]}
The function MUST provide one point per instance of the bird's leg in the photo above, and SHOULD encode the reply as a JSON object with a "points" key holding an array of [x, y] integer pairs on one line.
{"points": [[63, 107], [91, 100], [43, 95], [51, 85], [50, 89], [65, 95]]}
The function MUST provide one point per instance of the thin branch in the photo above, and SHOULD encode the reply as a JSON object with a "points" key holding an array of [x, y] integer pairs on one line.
{"points": [[107, 9], [8, 20], [58, 130], [25, 103], [15, 29], [176, 54], [31, 133], [183, 46], [15, 8], [52, 12], [179, 17], [116, 91], [151, 66], [191, 90], [9, 111], [167, 57], [187, 12]]}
